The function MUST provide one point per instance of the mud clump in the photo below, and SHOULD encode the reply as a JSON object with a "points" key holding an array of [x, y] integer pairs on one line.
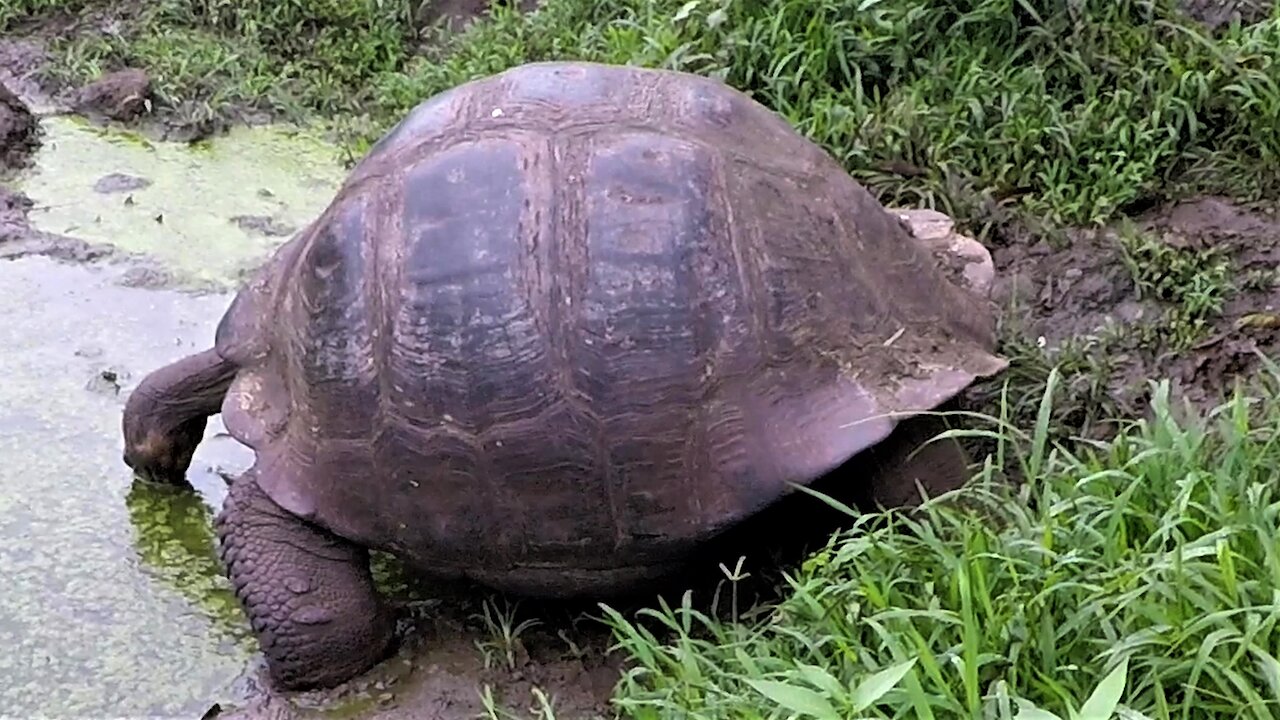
{"points": [[14, 207], [19, 132], [263, 225], [147, 277], [123, 95], [1218, 13]]}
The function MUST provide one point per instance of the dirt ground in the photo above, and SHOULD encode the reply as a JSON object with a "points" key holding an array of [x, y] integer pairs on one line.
{"points": [[1084, 290], [446, 657]]}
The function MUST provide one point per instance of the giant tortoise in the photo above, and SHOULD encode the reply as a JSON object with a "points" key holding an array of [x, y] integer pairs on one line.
{"points": [[558, 328]]}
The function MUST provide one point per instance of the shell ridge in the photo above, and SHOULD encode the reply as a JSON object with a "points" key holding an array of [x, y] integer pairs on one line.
{"points": [[571, 270]]}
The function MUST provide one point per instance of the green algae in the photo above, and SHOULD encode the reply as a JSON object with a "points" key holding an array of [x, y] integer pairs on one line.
{"points": [[185, 217], [112, 604]]}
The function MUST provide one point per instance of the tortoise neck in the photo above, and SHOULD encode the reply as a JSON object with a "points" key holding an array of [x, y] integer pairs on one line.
{"points": [[191, 387]]}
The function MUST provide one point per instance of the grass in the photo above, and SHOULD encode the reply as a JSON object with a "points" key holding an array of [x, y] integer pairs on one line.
{"points": [[1144, 569], [1193, 282]]}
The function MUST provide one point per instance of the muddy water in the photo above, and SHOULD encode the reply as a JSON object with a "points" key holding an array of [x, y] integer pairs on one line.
{"points": [[113, 601]]}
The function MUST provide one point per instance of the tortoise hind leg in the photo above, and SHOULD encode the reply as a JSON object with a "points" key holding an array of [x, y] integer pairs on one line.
{"points": [[904, 459], [308, 594]]}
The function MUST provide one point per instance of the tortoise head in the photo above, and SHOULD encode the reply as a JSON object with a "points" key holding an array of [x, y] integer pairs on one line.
{"points": [[159, 441], [160, 454], [165, 416]]}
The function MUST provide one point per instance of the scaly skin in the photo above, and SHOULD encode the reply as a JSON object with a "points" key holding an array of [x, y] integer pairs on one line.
{"points": [[308, 594]]}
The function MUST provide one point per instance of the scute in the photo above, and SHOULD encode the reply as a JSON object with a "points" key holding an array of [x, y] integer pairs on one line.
{"points": [[465, 344], [333, 310], [650, 317]]}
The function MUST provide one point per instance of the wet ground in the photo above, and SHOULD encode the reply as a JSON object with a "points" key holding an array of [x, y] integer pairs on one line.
{"points": [[1080, 302]]}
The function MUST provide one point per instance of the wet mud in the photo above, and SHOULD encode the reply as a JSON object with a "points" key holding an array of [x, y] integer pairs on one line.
{"points": [[1086, 293], [18, 130]]}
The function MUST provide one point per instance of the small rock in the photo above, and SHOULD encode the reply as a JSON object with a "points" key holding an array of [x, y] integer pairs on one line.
{"points": [[263, 224], [145, 277], [122, 95], [106, 382], [119, 182]]}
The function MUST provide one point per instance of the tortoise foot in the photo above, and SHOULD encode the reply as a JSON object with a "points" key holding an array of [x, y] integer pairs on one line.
{"points": [[308, 594]]}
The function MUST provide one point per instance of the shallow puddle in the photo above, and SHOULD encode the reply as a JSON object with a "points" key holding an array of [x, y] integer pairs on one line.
{"points": [[208, 212], [113, 603]]}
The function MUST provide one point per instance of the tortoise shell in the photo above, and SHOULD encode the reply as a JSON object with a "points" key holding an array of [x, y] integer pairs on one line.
{"points": [[577, 318]]}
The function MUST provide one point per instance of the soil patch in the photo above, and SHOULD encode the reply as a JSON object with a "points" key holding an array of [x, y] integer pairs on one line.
{"points": [[450, 662], [20, 61], [1085, 297], [1217, 13], [457, 14]]}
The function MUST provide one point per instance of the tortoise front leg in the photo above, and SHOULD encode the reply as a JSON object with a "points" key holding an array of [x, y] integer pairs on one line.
{"points": [[165, 416], [308, 593], [903, 458]]}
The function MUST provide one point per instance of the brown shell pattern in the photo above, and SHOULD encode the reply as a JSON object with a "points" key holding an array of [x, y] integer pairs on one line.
{"points": [[582, 316]]}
